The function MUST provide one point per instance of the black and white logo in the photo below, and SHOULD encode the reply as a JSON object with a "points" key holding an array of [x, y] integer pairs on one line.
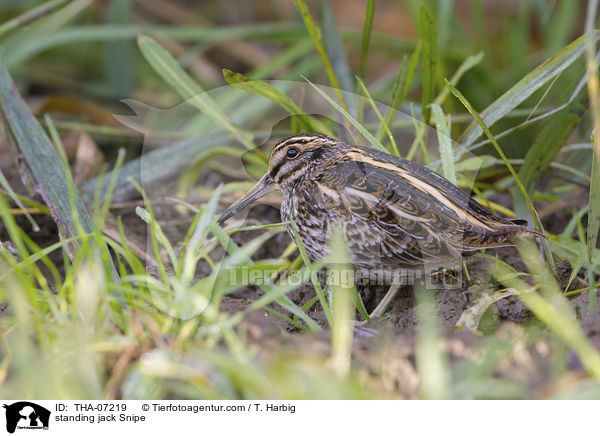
{"points": [[26, 415]]}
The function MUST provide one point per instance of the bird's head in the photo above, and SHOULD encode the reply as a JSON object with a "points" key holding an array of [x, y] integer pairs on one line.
{"points": [[292, 160]]}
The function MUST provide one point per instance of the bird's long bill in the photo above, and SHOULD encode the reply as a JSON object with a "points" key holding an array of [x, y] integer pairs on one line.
{"points": [[262, 187]]}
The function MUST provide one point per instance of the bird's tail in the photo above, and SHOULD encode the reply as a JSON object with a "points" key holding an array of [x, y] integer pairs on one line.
{"points": [[501, 236], [524, 230]]}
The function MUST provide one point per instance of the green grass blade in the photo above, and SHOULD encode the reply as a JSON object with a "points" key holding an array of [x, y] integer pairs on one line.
{"points": [[112, 183], [397, 90], [267, 90], [593, 222], [314, 279], [190, 256], [13, 195], [366, 36], [118, 55], [315, 34], [519, 37], [431, 361], [593, 85], [15, 47], [469, 63], [28, 137], [444, 18], [263, 89], [384, 124], [430, 59], [563, 20], [368, 136], [158, 237], [341, 330], [285, 58], [401, 86], [31, 15], [334, 46], [405, 78], [489, 134], [443, 129]]}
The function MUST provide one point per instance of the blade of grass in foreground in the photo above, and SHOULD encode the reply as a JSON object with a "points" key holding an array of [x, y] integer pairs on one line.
{"points": [[30, 140], [341, 331], [315, 281], [284, 301], [432, 363], [4, 183]]}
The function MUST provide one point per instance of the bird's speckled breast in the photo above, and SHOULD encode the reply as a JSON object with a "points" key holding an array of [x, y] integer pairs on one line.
{"points": [[314, 228]]}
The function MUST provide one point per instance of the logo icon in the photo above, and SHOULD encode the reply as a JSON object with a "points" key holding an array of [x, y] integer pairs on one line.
{"points": [[26, 415]]}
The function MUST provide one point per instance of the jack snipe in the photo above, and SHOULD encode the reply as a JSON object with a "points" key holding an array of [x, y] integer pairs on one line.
{"points": [[395, 214]]}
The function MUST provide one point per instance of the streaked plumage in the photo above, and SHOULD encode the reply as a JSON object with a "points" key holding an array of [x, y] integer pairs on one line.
{"points": [[395, 214]]}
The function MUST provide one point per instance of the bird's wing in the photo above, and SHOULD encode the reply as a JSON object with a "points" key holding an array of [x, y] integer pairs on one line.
{"points": [[480, 218], [388, 217]]}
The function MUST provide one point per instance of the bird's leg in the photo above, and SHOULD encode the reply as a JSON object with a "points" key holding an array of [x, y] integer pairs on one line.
{"points": [[466, 271], [385, 301]]}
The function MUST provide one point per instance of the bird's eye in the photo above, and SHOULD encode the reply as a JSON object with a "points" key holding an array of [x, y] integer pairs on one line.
{"points": [[291, 153]]}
